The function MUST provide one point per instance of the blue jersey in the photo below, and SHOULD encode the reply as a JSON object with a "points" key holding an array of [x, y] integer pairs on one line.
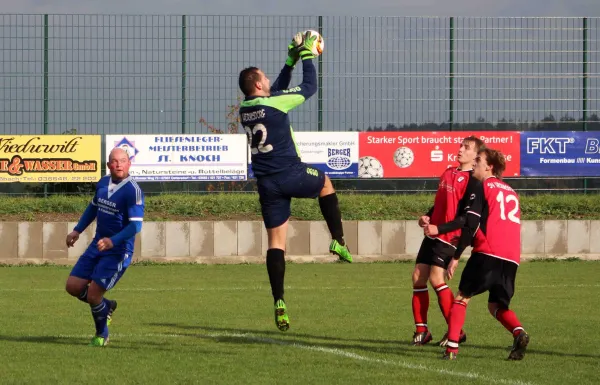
{"points": [[118, 204], [267, 124]]}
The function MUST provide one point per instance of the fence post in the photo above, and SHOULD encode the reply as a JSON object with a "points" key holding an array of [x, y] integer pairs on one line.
{"points": [[183, 70], [45, 86], [45, 74], [584, 100], [320, 83], [451, 76]]}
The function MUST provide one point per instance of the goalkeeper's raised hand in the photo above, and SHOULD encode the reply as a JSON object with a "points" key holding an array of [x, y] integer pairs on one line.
{"points": [[293, 54], [305, 50]]}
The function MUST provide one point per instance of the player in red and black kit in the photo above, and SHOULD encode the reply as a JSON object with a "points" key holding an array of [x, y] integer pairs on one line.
{"points": [[493, 226], [436, 252]]}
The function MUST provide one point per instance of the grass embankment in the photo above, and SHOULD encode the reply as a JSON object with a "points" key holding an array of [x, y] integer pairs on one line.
{"points": [[246, 206]]}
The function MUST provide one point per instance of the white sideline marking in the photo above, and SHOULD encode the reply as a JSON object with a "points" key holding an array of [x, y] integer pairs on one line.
{"points": [[358, 357], [167, 289], [334, 351]]}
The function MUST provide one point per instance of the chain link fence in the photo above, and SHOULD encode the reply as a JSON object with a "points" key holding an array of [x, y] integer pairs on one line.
{"points": [[128, 74]]}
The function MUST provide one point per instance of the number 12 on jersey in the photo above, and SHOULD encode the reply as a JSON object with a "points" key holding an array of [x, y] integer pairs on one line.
{"points": [[512, 215], [257, 136]]}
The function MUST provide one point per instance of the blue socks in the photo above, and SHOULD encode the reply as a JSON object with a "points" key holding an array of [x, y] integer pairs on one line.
{"points": [[100, 313]]}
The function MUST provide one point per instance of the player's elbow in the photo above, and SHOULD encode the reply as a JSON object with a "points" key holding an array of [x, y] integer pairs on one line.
{"points": [[310, 90], [461, 221], [472, 223], [138, 226]]}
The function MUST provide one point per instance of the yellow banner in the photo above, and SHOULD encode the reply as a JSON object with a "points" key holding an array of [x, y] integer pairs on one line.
{"points": [[50, 158]]}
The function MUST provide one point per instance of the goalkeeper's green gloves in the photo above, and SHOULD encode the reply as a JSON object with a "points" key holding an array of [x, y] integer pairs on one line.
{"points": [[305, 49], [293, 54]]}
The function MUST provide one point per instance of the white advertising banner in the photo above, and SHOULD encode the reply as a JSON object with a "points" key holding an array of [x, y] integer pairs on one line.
{"points": [[335, 153], [184, 157]]}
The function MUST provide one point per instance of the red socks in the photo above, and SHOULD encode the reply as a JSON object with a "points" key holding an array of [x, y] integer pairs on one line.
{"points": [[445, 299], [509, 320], [458, 313], [420, 305]]}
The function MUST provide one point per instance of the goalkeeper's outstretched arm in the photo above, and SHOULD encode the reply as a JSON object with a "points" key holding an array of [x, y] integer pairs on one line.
{"points": [[285, 76], [283, 80], [308, 87], [291, 98]]}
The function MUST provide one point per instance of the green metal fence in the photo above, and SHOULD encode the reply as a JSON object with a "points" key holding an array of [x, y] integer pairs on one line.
{"points": [[172, 74], [129, 74]]}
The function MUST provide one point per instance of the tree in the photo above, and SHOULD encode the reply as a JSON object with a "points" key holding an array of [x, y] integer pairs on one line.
{"points": [[233, 124], [232, 117]]}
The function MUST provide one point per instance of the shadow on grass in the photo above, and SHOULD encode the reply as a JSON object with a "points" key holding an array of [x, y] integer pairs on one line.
{"points": [[532, 350], [45, 340], [115, 343], [388, 346], [275, 333], [249, 336]]}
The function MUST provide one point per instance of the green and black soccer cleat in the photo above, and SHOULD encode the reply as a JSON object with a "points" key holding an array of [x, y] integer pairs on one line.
{"points": [[341, 251], [98, 341], [282, 321]]}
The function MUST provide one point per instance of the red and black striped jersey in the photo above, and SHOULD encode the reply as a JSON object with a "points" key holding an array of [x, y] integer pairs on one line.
{"points": [[494, 220], [449, 203]]}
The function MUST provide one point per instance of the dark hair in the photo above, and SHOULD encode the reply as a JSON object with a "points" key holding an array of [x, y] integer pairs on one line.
{"points": [[495, 159], [479, 144], [248, 77]]}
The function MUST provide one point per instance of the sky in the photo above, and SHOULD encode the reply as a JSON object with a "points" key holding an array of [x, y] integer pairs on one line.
{"points": [[376, 71], [494, 8]]}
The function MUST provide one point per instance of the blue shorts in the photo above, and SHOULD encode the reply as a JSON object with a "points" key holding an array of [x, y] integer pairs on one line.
{"points": [[276, 191], [103, 268]]}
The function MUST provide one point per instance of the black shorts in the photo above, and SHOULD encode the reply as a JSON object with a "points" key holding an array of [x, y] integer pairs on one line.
{"points": [[435, 252], [485, 273], [275, 192]]}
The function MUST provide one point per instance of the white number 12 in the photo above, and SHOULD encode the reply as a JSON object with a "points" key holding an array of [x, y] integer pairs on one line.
{"points": [[260, 147], [512, 214]]}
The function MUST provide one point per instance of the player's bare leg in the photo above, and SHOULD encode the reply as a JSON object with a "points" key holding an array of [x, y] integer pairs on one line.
{"points": [[445, 299], [276, 269], [420, 304], [328, 202], [509, 320], [78, 288], [458, 313]]}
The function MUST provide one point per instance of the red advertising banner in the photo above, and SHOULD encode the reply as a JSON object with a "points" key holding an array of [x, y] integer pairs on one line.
{"points": [[395, 154]]}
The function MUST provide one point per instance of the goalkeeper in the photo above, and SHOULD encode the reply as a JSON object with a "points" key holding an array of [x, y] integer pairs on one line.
{"points": [[276, 163]]}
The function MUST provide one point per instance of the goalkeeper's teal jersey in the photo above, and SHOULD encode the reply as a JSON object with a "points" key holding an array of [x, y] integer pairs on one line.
{"points": [[267, 124]]}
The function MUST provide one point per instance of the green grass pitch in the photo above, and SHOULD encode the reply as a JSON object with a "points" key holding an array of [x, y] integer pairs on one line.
{"points": [[185, 324]]}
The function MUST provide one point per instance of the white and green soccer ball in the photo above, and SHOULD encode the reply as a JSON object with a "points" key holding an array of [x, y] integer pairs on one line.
{"points": [[369, 167], [319, 44], [403, 157]]}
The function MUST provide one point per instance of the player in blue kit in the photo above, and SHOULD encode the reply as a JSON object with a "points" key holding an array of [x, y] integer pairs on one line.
{"points": [[118, 208], [276, 163]]}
